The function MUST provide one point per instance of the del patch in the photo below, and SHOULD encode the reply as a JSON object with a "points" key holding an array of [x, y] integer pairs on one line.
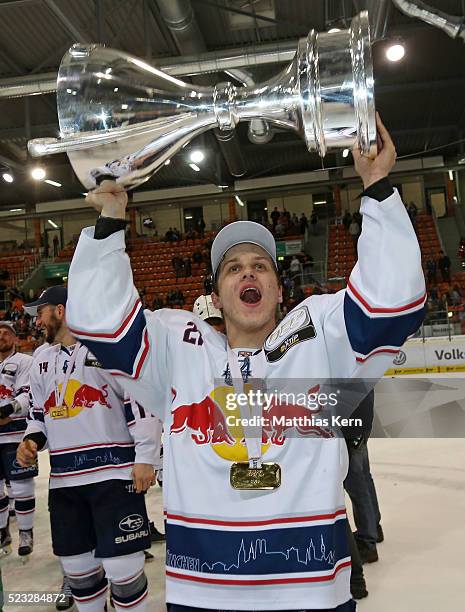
{"points": [[10, 369], [92, 361], [296, 327]]}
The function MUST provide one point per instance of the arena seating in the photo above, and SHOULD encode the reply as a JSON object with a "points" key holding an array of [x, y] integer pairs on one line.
{"points": [[153, 271], [18, 264], [342, 254]]}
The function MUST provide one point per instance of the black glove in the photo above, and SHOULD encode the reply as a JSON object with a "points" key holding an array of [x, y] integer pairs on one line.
{"points": [[6, 410], [356, 442]]}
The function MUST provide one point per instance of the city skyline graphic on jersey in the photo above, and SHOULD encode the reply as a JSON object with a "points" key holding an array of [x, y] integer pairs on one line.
{"points": [[254, 554]]}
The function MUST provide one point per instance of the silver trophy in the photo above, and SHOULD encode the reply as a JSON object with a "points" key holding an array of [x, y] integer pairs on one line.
{"points": [[121, 118]]}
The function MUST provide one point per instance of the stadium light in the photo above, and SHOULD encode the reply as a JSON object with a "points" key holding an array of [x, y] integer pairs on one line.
{"points": [[197, 156], [54, 183], [345, 153], [239, 201], [53, 224], [195, 167], [7, 177], [38, 174], [395, 53], [333, 30]]}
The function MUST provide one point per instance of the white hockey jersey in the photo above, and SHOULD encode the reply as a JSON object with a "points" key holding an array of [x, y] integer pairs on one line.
{"points": [[99, 434], [14, 385], [228, 549]]}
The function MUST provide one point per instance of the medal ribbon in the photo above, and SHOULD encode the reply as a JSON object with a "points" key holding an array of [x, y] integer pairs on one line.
{"points": [[61, 395], [253, 443]]}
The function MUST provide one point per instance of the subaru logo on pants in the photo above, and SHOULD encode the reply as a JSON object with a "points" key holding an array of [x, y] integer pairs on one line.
{"points": [[133, 522]]}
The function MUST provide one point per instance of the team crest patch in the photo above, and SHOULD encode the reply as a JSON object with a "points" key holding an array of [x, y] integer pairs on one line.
{"points": [[10, 369], [92, 361], [296, 327]]}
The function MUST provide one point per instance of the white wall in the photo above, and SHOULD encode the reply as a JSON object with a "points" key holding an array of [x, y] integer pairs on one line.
{"points": [[297, 204], [73, 223], [212, 215], [413, 192]]}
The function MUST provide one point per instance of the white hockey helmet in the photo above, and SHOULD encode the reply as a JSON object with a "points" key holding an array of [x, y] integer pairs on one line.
{"points": [[203, 308]]}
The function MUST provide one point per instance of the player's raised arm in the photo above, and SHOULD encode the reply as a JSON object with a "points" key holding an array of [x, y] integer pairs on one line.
{"points": [[104, 309], [385, 297]]}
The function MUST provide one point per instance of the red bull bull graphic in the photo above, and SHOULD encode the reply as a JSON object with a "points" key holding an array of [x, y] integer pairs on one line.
{"points": [[78, 397], [205, 419], [5, 392], [213, 421], [87, 396], [50, 402], [282, 418]]}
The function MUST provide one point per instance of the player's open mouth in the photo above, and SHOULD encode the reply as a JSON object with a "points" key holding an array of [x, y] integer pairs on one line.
{"points": [[250, 295]]}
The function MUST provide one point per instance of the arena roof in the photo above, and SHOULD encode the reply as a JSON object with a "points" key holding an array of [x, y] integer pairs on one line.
{"points": [[421, 98]]}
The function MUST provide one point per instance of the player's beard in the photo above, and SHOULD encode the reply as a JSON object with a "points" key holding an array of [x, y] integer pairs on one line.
{"points": [[6, 346], [52, 328]]}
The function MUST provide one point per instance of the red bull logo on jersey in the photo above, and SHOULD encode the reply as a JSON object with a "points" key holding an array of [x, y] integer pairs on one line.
{"points": [[87, 396], [213, 421], [78, 397], [205, 420], [5, 392]]}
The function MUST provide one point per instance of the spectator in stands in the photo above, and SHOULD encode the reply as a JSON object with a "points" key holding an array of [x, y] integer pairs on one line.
{"points": [[412, 212], [190, 236], [284, 311], [434, 293], [177, 266], [200, 227], [275, 217], [187, 265], [208, 284], [143, 297], [279, 230], [176, 235], [169, 235], [295, 221], [461, 251], [307, 263], [456, 296], [179, 299], [286, 282], [296, 293], [314, 222], [171, 298], [295, 267], [354, 230], [18, 303], [431, 271], [56, 245], [303, 222], [347, 220], [197, 257], [444, 267], [157, 303]]}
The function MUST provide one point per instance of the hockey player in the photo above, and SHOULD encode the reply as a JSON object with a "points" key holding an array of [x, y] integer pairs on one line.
{"points": [[253, 522], [102, 451], [14, 407]]}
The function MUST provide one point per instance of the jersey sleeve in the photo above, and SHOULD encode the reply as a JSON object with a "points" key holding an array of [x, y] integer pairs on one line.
{"points": [[145, 430], [366, 324], [35, 419], [105, 312], [22, 385]]}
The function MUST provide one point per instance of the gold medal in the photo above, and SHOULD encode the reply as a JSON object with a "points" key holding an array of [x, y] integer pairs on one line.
{"points": [[59, 412], [244, 477]]}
